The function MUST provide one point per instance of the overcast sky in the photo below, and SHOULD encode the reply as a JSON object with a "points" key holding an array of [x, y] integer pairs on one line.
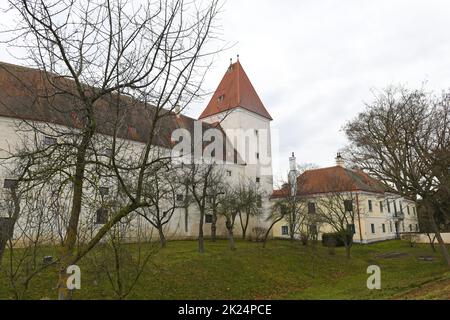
{"points": [[314, 63]]}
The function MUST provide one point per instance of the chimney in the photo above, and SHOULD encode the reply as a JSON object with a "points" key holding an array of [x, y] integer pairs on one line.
{"points": [[293, 162], [293, 174], [340, 161]]}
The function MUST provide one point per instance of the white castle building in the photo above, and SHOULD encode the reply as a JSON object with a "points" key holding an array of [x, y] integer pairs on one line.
{"points": [[235, 109]]}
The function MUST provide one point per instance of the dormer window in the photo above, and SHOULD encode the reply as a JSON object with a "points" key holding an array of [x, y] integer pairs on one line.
{"points": [[221, 98]]}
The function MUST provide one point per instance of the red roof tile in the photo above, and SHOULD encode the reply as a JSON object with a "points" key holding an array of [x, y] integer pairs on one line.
{"points": [[334, 179], [234, 91]]}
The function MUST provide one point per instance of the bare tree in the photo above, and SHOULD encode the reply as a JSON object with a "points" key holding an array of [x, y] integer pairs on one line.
{"points": [[229, 208], [103, 63], [216, 195], [250, 203], [30, 229], [160, 193], [200, 179], [123, 259], [335, 209], [403, 139]]}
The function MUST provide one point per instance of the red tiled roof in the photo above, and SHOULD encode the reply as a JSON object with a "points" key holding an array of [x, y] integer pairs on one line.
{"points": [[234, 91], [329, 180], [25, 94]]}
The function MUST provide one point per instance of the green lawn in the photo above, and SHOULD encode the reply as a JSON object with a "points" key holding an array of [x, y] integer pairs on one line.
{"points": [[281, 271]]}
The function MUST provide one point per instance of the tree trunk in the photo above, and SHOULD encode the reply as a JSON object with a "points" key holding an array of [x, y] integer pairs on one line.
{"points": [[431, 239], [268, 231], [347, 250], [72, 229], [214, 226], [10, 227], [63, 292], [441, 242], [162, 237], [230, 234], [201, 241], [186, 219], [245, 226], [231, 240], [2, 249]]}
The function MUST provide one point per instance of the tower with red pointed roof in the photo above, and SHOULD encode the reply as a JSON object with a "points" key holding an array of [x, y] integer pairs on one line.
{"points": [[240, 112]]}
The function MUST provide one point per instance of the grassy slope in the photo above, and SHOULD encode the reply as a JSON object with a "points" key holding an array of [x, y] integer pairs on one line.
{"points": [[281, 271]]}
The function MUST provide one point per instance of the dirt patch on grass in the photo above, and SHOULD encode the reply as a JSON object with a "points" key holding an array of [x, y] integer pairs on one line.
{"points": [[436, 290], [392, 255]]}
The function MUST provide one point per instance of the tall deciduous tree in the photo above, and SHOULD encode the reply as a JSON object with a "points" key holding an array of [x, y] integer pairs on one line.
{"points": [[403, 139], [102, 61]]}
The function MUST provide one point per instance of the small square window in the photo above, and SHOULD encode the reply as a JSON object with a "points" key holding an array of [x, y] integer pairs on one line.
{"points": [[6, 230], [49, 141], [102, 216], [285, 230], [104, 191], [351, 228], [348, 205], [311, 208], [180, 197], [258, 180], [10, 183], [209, 218], [229, 173], [107, 152]]}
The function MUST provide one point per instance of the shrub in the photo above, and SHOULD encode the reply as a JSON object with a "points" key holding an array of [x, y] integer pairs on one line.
{"points": [[336, 239], [259, 233]]}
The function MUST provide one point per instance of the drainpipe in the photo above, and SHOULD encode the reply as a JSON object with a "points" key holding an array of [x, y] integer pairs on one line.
{"points": [[359, 218]]}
